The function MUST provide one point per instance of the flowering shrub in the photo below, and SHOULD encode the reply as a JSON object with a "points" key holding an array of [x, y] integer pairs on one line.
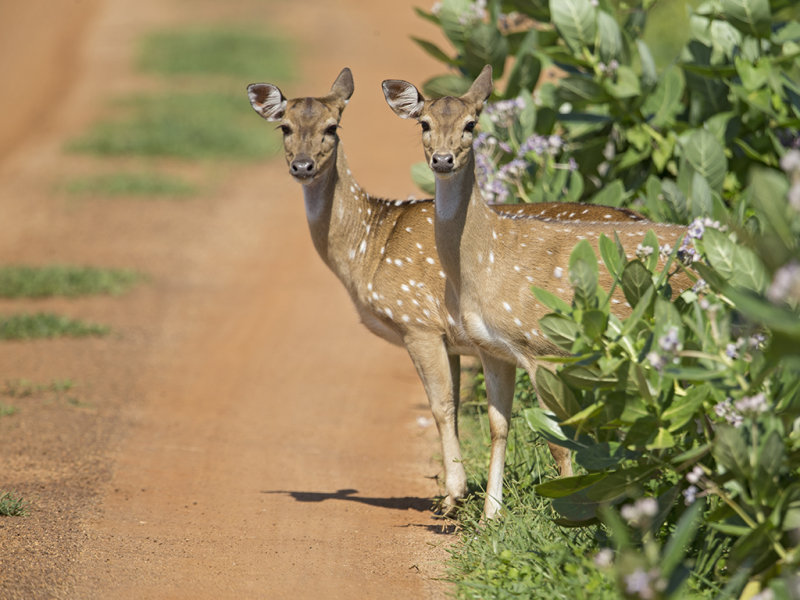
{"points": [[684, 417], [691, 406], [677, 143]]}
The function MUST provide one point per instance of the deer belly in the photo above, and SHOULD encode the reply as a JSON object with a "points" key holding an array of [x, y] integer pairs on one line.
{"points": [[482, 334]]}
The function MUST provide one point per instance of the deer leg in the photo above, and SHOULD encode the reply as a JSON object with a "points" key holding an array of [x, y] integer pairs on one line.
{"points": [[440, 375], [500, 377]]}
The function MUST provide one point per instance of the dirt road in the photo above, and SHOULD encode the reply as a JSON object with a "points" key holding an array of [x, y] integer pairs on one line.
{"points": [[239, 435]]}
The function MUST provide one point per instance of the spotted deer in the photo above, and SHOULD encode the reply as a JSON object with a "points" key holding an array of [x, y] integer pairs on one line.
{"points": [[383, 252], [492, 259]]}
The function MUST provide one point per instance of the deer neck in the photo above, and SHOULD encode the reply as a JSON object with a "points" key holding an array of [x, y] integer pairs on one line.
{"points": [[459, 208], [334, 205]]}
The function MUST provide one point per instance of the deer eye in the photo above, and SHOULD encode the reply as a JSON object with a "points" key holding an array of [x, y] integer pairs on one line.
{"points": [[285, 129], [331, 129], [425, 126], [469, 126]]}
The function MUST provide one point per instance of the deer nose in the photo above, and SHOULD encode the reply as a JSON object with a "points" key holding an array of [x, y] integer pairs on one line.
{"points": [[302, 167], [442, 162]]}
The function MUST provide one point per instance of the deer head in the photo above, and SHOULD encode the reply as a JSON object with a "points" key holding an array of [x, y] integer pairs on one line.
{"points": [[447, 123], [309, 125]]}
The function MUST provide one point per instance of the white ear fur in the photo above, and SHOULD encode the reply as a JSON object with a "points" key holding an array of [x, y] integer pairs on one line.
{"points": [[267, 100], [403, 98]]}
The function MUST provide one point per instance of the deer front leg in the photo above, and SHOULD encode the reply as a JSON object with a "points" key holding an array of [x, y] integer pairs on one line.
{"points": [[500, 377], [440, 375]]}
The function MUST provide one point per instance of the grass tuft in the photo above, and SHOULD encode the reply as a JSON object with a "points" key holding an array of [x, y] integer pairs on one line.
{"points": [[6, 410], [46, 325], [239, 53], [19, 281], [182, 125], [12, 505], [24, 388], [130, 184]]}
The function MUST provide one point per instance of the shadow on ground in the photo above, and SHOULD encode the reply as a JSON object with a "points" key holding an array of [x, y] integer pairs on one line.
{"points": [[349, 495]]}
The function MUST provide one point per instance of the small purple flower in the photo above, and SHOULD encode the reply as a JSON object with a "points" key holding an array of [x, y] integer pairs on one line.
{"points": [[670, 342], [731, 351], [690, 494], [753, 405], [695, 474], [572, 164], [725, 410], [658, 361]]}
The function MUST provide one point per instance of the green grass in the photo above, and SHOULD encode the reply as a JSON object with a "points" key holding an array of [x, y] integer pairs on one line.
{"points": [[24, 388], [46, 325], [6, 410], [19, 281], [523, 554], [12, 505], [182, 125], [233, 52], [131, 184]]}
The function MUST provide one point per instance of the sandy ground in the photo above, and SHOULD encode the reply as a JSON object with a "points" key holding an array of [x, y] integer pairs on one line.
{"points": [[239, 435]]}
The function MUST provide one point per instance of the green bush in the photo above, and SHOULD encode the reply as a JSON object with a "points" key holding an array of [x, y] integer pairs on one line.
{"points": [[614, 120], [684, 417]]}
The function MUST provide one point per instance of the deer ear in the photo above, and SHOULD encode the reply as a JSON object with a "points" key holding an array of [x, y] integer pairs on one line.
{"points": [[481, 88], [267, 100], [343, 87], [403, 98]]}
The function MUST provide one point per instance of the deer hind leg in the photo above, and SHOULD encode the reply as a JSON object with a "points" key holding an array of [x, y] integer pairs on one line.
{"points": [[500, 377], [440, 376]]}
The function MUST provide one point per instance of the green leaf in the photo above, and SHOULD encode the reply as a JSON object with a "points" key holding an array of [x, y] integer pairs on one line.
{"points": [[636, 281], [641, 432], [583, 272], [684, 408], [434, 51], [594, 324], [730, 450], [707, 156], [560, 330], [585, 415], [737, 264], [649, 71], [765, 186], [700, 200], [612, 194], [777, 318], [662, 440], [681, 539], [446, 85], [576, 21], [609, 37], [625, 85], [527, 67], [665, 102], [752, 17], [583, 504], [613, 255], [771, 456], [753, 76], [588, 378], [555, 394], [484, 44], [550, 300], [564, 486]]}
